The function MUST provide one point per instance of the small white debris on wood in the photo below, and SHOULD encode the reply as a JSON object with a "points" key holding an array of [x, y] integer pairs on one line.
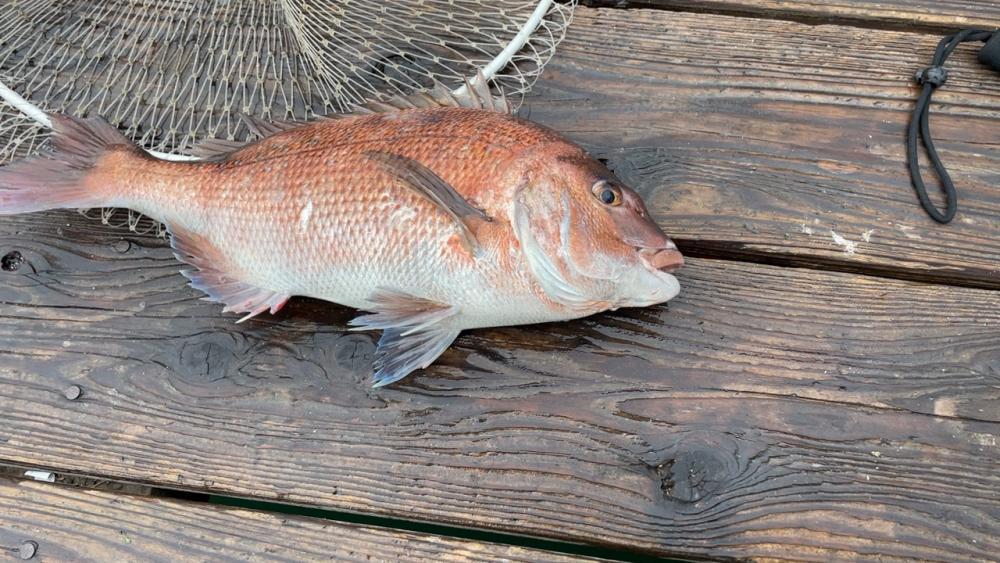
{"points": [[806, 229], [867, 235], [906, 232], [850, 247], [876, 453], [46, 476], [945, 407], [984, 439]]}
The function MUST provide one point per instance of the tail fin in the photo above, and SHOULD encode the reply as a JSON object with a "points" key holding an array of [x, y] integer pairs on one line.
{"points": [[56, 178]]}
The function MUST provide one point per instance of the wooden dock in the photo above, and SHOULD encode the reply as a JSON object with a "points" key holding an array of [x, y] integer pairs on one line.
{"points": [[826, 386]]}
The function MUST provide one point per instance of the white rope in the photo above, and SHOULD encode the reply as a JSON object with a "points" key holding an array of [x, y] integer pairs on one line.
{"points": [[25, 107], [34, 112], [515, 45]]}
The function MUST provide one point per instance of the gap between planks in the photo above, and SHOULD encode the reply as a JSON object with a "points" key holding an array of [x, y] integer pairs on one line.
{"points": [[49, 522], [899, 15], [737, 252], [52, 481]]}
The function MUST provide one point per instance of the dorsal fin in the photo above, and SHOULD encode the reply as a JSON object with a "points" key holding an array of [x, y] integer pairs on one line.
{"points": [[475, 94], [216, 149], [263, 128], [219, 149], [478, 92]]}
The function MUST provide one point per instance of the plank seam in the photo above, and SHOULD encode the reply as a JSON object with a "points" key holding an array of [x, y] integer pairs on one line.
{"points": [[16, 471], [778, 15], [735, 252]]}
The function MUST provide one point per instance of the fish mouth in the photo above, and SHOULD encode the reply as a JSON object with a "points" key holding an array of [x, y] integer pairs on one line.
{"points": [[667, 260]]}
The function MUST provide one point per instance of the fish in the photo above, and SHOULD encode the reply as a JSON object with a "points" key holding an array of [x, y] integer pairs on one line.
{"points": [[432, 213]]}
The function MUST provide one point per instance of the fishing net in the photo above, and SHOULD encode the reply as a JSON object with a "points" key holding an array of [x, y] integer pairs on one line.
{"points": [[171, 72]]}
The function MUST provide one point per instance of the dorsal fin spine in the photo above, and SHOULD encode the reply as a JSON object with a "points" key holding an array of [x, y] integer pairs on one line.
{"points": [[475, 94]]}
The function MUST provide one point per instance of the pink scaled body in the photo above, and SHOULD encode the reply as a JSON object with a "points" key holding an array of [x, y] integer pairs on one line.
{"points": [[438, 214]]}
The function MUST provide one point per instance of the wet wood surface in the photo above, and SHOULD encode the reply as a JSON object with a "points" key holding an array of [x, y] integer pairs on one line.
{"points": [[934, 15], [783, 142], [54, 523], [769, 411], [765, 410]]}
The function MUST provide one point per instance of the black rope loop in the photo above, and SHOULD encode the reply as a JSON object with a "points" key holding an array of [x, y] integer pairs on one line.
{"points": [[932, 78]]}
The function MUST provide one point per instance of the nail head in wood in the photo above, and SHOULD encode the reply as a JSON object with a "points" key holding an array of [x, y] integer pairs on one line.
{"points": [[27, 550], [72, 392]]}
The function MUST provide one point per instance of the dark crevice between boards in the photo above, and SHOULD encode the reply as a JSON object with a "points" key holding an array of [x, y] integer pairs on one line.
{"points": [[471, 534], [734, 251], [16, 471], [791, 15]]}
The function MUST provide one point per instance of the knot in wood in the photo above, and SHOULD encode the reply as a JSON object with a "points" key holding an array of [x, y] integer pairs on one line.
{"points": [[354, 352], [11, 261], [212, 357], [700, 467]]}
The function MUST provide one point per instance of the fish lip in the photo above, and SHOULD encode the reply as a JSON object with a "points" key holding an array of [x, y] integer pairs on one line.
{"points": [[666, 259]]}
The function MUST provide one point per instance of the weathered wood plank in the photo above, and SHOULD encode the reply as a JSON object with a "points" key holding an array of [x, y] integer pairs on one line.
{"points": [[944, 15], [65, 524], [782, 142], [767, 412]]}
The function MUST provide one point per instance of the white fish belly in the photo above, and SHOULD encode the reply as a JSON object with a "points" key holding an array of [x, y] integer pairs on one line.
{"points": [[344, 261], [478, 303]]}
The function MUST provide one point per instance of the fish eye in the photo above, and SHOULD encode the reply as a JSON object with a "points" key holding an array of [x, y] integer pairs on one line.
{"points": [[607, 193]]}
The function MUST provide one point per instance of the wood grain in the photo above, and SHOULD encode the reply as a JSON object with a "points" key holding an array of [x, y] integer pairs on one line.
{"points": [[80, 525], [767, 412], [780, 142], [936, 15]]}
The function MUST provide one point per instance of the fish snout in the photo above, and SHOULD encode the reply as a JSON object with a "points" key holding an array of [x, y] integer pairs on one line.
{"points": [[666, 259]]}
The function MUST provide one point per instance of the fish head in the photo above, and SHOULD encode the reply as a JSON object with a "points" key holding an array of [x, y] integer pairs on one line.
{"points": [[598, 235]]}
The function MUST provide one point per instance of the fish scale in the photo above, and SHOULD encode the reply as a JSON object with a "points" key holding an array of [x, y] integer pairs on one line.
{"points": [[436, 213]]}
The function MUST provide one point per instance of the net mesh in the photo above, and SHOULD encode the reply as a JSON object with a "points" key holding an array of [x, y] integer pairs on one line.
{"points": [[172, 72]]}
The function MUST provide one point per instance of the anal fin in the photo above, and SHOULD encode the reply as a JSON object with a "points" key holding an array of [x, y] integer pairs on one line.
{"points": [[212, 277], [414, 333]]}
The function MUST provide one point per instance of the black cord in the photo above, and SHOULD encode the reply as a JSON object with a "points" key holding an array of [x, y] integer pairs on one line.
{"points": [[932, 78]]}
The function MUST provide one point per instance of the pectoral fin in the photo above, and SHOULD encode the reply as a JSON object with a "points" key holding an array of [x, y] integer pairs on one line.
{"points": [[414, 333], [425, 182]]}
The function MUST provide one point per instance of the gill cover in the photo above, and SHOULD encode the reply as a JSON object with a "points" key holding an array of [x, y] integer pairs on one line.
{"points": [[542, 225]]}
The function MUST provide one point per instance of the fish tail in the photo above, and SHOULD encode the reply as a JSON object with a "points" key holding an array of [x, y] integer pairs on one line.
{"points": [[62, 176]]}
